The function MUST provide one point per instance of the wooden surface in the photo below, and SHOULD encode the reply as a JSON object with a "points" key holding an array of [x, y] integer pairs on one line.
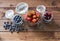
{"points": [[46, 34]]}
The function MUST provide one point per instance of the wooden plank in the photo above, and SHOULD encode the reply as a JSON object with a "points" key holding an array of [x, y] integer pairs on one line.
{"points": [[6, 36], [55, 12], [55, 26], [52, 6], [8, 3], [25, 36], [57, 35], [28, 36]]}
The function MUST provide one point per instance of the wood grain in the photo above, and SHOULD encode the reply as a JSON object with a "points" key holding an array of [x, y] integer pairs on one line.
{"points": [[55, 26], [53, 6], [8, 3]]}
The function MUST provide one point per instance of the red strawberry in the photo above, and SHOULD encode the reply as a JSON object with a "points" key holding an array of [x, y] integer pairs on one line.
{"points": [[28, 18], [34, 16], [37, 14], [37, 19], [34, 20]]}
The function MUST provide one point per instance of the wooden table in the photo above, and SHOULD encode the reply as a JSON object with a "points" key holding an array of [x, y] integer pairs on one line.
{"points": [[46, 33]]}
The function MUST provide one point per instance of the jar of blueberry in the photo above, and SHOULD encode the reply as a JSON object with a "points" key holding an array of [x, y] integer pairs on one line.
{"points": [[47, 17], [17, 19]]}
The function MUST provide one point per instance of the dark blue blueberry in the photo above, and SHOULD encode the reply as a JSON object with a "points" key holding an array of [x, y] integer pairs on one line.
{"points": [[7, 22], [18, 21], [11, 22], [18, 16], [4, 22], [12, 29], [5, 27], [8, 26]]}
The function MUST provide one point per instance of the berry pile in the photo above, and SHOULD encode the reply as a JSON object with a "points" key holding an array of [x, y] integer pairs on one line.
{"points": [[47, 16], [12, 27], [7, 25], [32, 16]]}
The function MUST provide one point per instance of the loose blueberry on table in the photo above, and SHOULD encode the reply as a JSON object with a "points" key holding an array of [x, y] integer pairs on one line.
{"points": [[13, 27], [6, 25]]}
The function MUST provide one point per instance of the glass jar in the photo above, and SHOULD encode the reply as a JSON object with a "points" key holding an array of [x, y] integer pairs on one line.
{"points": [[32, 18], [17, 19], [47, 17]]}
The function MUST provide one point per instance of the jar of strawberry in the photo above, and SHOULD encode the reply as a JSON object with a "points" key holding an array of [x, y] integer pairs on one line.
{"points": [[32, 17]]}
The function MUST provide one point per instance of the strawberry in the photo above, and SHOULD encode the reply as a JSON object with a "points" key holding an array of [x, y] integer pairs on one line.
{"points": [[33, 12], [37, 19], [28, 18], [34, 16], [37, 15], [34, 20], [29, 14]]}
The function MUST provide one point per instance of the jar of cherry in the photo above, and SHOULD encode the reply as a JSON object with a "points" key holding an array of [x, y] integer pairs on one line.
{"points": [[47, 17]]}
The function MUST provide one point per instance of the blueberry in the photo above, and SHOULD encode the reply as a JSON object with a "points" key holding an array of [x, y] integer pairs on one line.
{"points": [[5, 27], [15, 21], [18, 21], [4, 22], [12, 29], [11, 23], [7, 22], [20, 17], [17, 16], [8, 26]]}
